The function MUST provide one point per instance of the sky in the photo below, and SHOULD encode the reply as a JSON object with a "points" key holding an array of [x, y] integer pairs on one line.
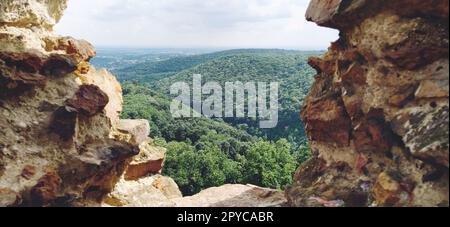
{"points": [[194, 24]]}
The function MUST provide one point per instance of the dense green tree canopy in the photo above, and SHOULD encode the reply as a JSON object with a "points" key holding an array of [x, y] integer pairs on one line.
{"points": [[206, 152]]}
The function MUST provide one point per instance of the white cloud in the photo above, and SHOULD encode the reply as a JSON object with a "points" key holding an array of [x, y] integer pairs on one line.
{"points": [[194, 23]]}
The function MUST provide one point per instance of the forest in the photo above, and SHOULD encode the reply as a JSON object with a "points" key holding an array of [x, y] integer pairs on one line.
{"points": [[204, 152]]}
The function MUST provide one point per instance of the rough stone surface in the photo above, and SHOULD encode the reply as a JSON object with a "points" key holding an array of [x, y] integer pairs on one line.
{"points": [[377, 115], [138, 129], [62, 142], [57, 113], [27, 13], [149, 161], [234, 196], [89, 100], [152, 191]]}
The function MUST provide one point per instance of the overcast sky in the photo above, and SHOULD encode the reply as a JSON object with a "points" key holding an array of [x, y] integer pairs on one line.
{"points": [[194, 23]]}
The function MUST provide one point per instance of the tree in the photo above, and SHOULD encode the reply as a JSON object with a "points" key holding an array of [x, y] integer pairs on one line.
{"points": [[197, 170], [269, 165]]}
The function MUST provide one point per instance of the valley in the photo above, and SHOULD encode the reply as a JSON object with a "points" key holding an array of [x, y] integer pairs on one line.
{"points": [[206, 152]]}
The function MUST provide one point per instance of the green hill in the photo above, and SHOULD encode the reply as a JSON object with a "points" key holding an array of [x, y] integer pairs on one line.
{"points": [[230, 150], [203, 153], [289, 68], [151, 71]]}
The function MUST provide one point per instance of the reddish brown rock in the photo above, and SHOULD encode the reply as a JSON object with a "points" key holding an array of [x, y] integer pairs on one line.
{"points": [[325, 12], [89, 100], [355, 74], [79, 50], [46, 190], [340, 13], [149, 161], [34, 63], [361, 163], [428, 8], [138, 170], [409, 56], [25, 62], [310, 171], [58, 65], [20, 72], [319, 184], [352, 103], [327, 121], [322, 65], [373, 134]]}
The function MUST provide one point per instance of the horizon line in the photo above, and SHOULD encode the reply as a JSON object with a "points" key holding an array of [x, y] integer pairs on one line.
{"points": [[210, 47]]}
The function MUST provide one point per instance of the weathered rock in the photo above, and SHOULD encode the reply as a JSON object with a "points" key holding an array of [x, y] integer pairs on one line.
{"points": [[58, 65], [46, 190], [317, 179], [329, 13], [373, 134], [154, 191], [234, 196], [8, 197], [56, 113], [345, 14], [389, 192], [96, 170], [28, 172], [377, 114], [29, 13], [64, 123], [167, 186], [89, 100], [138, 129], [425, 132], [110, 86], [327, 121], [433, 89], [19, 72], [402, 97], [149, 161], [79, 50]]}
